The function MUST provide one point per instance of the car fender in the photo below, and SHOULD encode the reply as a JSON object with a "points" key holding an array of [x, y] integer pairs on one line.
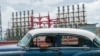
{"points": [[11, 53]]}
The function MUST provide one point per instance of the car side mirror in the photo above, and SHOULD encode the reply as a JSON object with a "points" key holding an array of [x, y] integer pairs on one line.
{"points": [[43, 46]]}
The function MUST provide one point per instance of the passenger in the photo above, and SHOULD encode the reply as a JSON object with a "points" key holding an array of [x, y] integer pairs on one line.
{"points": [[50, 40]]}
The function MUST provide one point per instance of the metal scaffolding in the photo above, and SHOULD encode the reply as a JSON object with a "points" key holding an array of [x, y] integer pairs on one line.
{"points": [[24, 21], [43, 23], [71, 17], [20, 25]]}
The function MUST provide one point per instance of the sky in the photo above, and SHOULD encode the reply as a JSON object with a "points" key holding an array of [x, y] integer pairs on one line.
{"points": [[43, 6]]}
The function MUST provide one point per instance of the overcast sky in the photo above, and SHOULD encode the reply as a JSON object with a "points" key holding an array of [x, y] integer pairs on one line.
{"points": [[43, 6]]}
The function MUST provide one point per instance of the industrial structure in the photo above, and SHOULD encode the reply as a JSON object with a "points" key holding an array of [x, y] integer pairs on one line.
{"points": [[98, 31], [40, 22], [24, 21], [67, 17], [20, 25], [71, 17]]}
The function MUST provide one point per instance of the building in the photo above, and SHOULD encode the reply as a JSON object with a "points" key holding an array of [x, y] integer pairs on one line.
{"points": [[98, 31]]}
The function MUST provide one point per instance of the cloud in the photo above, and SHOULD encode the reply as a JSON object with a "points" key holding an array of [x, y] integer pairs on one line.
{"points": [[37, 3], [6, 16], [50, 2], [46, 2], [43, 6], [93, 12], [19, 1]]}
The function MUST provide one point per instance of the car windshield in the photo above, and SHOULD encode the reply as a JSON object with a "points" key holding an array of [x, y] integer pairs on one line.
{"points": [[97, 41], [25, 40]]}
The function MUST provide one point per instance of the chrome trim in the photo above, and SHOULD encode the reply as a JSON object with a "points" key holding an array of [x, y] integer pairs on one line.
{"points": [[63, 47]]}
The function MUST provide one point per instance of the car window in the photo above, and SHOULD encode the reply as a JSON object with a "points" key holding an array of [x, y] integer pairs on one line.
{"points": [[43, 39], [68, 40], [74, 41], [97, 41], [25, 40]]}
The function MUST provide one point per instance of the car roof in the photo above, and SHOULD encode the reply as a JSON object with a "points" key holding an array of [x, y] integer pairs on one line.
{"points": [[82, 32]]}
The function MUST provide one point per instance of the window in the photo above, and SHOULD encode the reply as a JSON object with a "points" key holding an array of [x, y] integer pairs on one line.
{"points": [[74, 41], [97, 41], [25, 40], [39, 40], [43, 39], [68, 40]]}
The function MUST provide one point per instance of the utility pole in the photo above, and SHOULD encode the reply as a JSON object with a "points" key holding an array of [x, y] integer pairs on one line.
{"points": [[0, 26]]}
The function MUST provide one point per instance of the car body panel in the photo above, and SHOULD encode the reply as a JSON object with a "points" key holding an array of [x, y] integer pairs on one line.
{"points": [[40, 52], [9, 47], [11, 50]]}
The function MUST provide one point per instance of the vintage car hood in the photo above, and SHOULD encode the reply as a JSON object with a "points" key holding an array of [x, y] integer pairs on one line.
{"points": [[13, 47]]}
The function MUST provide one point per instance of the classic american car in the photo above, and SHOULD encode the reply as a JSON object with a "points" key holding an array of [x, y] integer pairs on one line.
{"points": [[55, 42]]}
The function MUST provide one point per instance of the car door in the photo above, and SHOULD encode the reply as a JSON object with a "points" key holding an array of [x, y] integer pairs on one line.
{"points": [[36, 49], [73, 44]]}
